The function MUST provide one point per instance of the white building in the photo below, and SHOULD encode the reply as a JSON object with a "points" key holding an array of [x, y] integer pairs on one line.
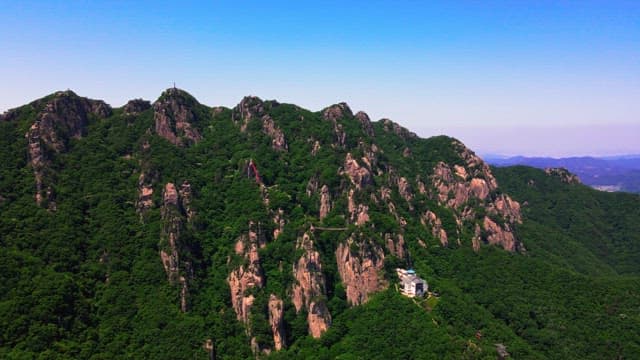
{"points": [[410, 284]]}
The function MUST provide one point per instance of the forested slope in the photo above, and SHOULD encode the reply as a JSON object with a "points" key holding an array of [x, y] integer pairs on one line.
{"points": [[177, 230]]}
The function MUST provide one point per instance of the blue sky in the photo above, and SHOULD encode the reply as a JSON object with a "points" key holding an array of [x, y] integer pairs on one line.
{"points": [[510, 77]]}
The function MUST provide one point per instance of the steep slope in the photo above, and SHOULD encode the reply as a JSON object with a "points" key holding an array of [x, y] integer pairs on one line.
{"points": [[63, 117], [602, 227], [178, 230]]}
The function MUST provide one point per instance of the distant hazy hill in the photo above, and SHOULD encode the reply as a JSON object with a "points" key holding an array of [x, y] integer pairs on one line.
{"points": [[621, 173]]}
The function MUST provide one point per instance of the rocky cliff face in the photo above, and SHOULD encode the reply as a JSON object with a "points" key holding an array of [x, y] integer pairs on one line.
{"points": [[395, 244], [456, 188], [360, 264], [359, 175], [253, 108], [431, 220], [507, 208], [145, 193], [370, 158], [173, 252], [336, 113], [175, 117], [309, 291], [246, 276], [365, 188], [245, 281], [276, 320], [279, 221], [325, 201], [460, 185], [63, 117], [269, 127], [366, 123], [499, 235], [185, 200], [392, 127], [358, 213], [404, 188]]}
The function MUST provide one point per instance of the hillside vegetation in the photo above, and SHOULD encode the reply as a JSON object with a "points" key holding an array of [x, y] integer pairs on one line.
{"points": [[175, 230]]}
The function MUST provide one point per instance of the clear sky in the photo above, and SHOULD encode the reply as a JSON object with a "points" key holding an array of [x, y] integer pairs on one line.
{"points": [[506, 77]]}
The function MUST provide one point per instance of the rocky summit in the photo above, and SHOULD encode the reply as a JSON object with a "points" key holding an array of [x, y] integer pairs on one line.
{"points": [[171, 229]]}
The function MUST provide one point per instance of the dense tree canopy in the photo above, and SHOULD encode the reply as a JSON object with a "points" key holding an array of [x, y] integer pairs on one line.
{"points": [[85, 280]]}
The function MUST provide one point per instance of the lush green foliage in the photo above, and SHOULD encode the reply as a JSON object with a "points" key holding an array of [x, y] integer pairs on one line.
{"points": [[595, 232], [86, 280]]}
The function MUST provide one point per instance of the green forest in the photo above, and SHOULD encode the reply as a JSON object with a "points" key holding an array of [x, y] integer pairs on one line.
{"points": [[86, 218]]}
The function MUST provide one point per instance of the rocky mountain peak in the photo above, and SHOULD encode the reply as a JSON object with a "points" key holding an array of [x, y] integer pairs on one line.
{"points": [[392, 127], [175, 117], [61, 117], [66, 115], [250, 107], [174, 92], [269, 235], [136, 106], [365, 122], [337, 112], [564, 175]]}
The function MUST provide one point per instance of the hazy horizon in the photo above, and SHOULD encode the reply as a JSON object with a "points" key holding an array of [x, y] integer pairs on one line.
{"points": [[545, 79]]}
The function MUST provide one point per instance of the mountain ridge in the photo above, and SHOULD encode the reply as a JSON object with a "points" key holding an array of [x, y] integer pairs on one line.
{"points": [[266, 222], [618, 173]]}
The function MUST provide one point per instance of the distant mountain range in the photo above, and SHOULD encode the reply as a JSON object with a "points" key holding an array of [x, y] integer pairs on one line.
{"points": [[614, 173]]}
